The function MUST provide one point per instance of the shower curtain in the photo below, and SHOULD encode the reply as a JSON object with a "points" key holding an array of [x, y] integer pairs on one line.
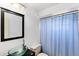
{"points": [[59, 34]]}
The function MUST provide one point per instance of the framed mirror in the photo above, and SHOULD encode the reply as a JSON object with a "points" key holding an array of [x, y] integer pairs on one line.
{"points": [[12, 25]]}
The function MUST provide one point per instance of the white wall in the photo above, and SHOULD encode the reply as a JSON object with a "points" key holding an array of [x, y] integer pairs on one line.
{"points": [[31, 28], [58, 9], [32, 35]]}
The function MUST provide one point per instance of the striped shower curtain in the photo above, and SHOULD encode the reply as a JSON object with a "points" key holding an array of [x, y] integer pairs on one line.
{"points": [[59, 34]]}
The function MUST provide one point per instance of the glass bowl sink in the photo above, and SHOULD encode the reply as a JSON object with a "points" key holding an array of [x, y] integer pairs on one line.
{"points": [[17, 51]]}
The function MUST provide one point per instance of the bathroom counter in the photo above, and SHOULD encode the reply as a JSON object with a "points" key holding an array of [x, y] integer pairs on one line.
{"points": [[20, 51], [23, 53]]}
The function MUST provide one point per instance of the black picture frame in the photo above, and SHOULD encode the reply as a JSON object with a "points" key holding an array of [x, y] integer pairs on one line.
{"points": [[2, 24]]}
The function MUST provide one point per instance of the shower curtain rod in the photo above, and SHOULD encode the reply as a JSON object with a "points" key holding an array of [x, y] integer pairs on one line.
{"points": [[50, 15]]}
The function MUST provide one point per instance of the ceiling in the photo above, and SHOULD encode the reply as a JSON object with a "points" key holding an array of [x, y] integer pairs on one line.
{"points": [[40, 6]]}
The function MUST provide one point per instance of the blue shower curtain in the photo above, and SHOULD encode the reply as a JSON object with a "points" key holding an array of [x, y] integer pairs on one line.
{"points": [[59, 35]]}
